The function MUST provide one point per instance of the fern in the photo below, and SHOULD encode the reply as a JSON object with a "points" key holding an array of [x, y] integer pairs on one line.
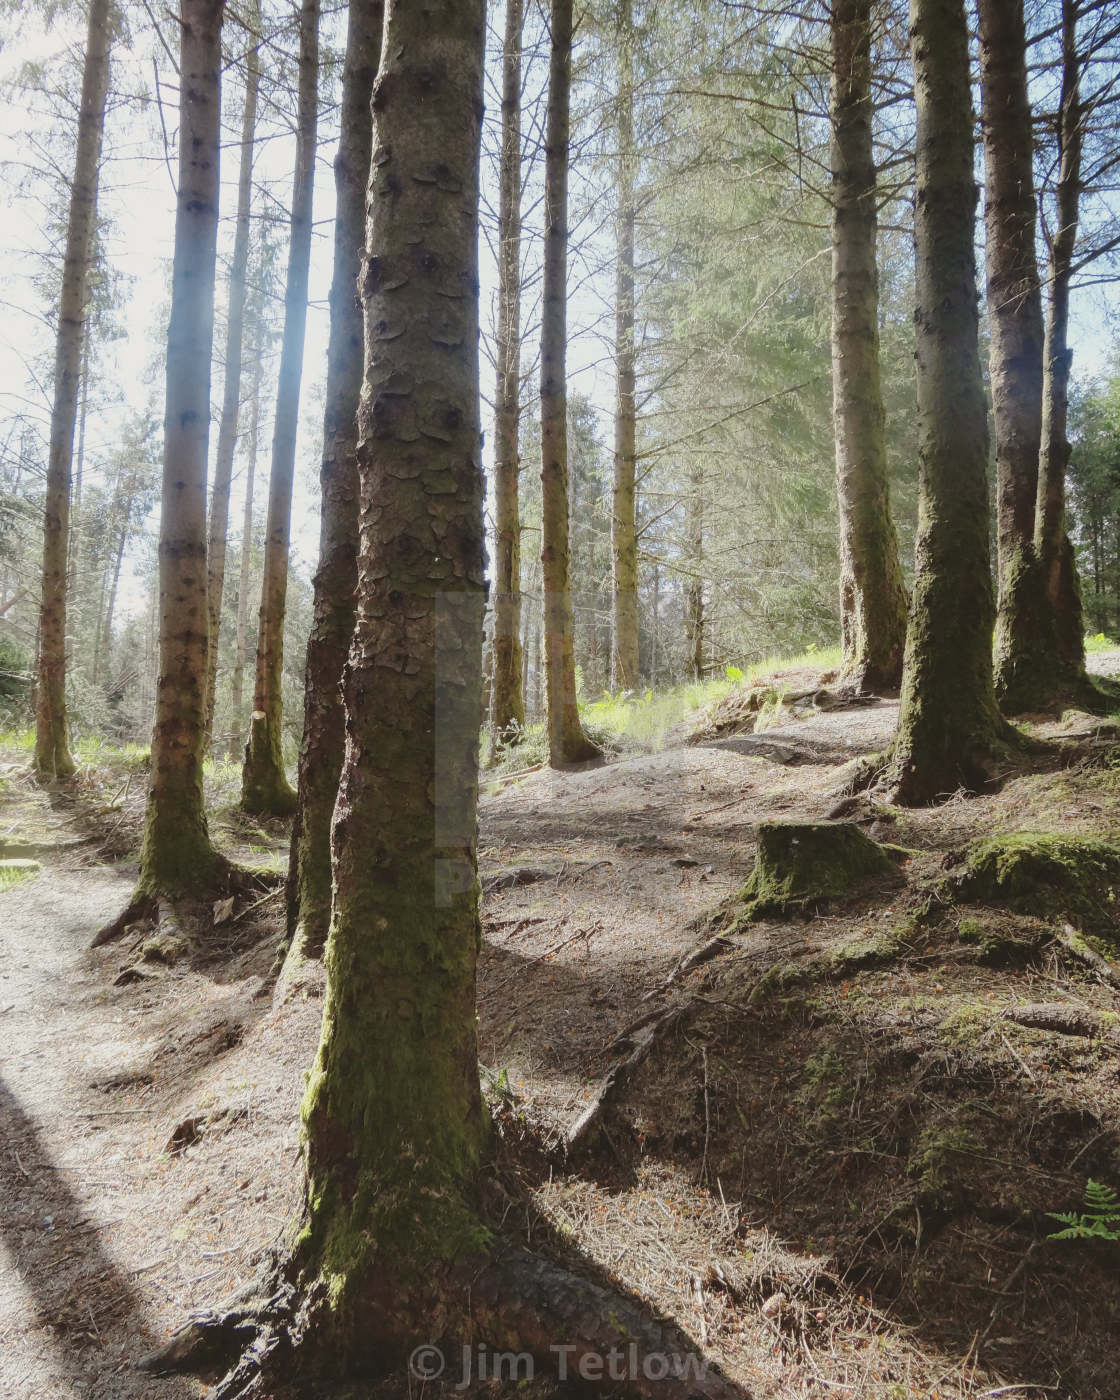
{"points": [[1100, 1220]]}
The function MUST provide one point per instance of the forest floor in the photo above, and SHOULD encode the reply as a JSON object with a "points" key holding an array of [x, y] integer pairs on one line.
{"points": [[832, 1164]]}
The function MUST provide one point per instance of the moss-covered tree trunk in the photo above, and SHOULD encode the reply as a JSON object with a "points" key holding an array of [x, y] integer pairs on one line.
{"points": [[231, 394], [873, 594], [332, 625], [948, 722], [177, 858], [394, 1127], [624, 529], [1024, 630], [1051, 540], [52, 735], [567, 742], [264, 785], [507, 701]]}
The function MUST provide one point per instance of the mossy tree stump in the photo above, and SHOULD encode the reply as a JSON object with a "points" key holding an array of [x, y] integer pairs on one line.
{"points": [[1078, 876], [801, 865]]}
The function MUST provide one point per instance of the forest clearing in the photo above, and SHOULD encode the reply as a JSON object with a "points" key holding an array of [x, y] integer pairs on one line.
{"points": [[833, 1168], [559, 699]]}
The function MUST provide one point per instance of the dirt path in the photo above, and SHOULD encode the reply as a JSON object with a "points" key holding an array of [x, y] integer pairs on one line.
{"points": [[149, 1135]]}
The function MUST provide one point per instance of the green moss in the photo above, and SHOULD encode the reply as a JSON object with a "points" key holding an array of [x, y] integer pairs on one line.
{"points": [[802, 865], [936, 1163], [1076, 876]]}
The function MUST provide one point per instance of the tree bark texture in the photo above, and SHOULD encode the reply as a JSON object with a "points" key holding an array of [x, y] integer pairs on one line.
{"points": [[264, 785], [948, 721], [1051, 540], [332, 626], [507, 697], [1024, 626], [52, 736], [177, 857], [394, 1127], [231, 396], [237, 680], [624, 534], [567, 743], [873, 594]]}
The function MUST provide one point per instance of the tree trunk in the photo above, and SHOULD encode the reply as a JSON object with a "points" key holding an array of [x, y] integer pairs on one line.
{"points": [[264, 785], [231, 399], [873, 594], [324, 738], [567, 742], [393, 1101], [237, 681], [694, 595], [624, 536], [1024, 631], [52, 738], [507, 696], [394, 1127], [1051, 541], [948, 722], [177, 858]]}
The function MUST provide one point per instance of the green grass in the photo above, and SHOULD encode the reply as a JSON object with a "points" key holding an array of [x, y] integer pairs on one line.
{"points": [[1100, 642], [645, 718]]}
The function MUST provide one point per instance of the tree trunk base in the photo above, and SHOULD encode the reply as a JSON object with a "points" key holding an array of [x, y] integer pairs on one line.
{"points": [[535, 1315], [265, 790], [201, 911]]}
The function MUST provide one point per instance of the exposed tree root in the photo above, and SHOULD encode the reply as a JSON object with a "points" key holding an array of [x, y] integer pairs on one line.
{"points": [[531, 1307], [590, 1119], [202, 911], [1059, 1016]]}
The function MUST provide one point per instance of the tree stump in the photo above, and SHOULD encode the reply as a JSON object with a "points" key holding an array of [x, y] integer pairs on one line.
{"points": [[802, 865]]}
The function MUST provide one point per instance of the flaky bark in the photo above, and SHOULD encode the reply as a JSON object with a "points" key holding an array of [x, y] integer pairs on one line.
{"points": [[1051, 540], [231, 397], [264, 784], [507, 697], [52, 737], [567, 742], [624, 533], [948, 723], [177, 858], [332, 626], [873, 594]]}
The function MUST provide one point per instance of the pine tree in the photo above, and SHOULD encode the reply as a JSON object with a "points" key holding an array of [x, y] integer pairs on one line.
{"points": [[52, 737], [324, 739], [264, 785]]}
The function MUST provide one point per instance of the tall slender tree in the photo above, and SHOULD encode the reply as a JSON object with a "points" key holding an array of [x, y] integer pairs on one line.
{"points": [[177, 859], [948, 727], [241, 642], [332, 626], [235, 330], [624, 528], [264, 785], [1024, 629], [1051, 538], [872, 592], [507, 698], [52, 737], [567, 743]]}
